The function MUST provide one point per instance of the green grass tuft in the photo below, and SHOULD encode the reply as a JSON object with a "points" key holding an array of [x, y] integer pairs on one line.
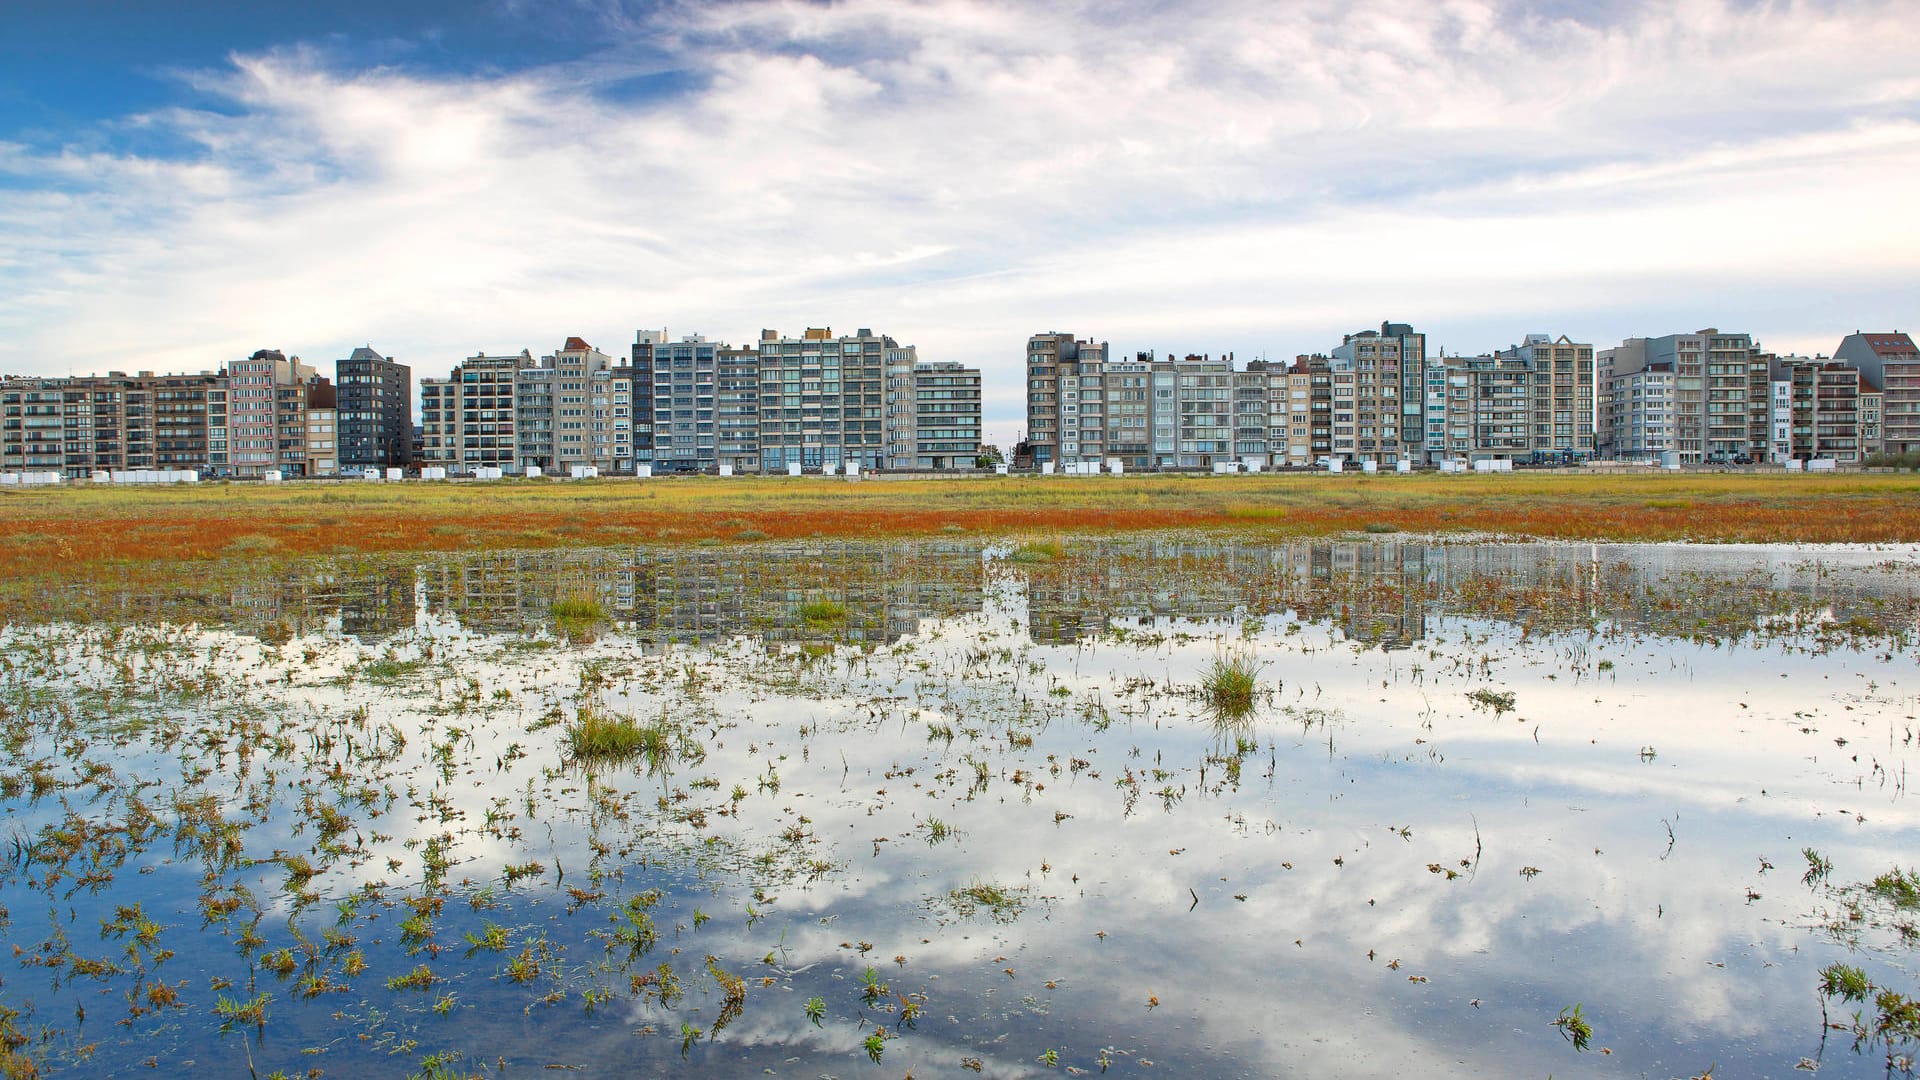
{"points": [[1229, 686], [578, 609], [821, 612], [1038, 551], [603, 737]]}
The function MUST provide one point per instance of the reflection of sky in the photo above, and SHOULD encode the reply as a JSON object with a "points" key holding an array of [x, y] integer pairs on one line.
{"points": [[1222, 900]]}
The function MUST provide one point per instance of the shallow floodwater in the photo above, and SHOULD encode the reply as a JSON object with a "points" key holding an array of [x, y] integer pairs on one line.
{"points": [[942, 808]]}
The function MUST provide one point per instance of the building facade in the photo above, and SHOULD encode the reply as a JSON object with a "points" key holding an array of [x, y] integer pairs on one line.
{"points": [[1379, 412], [947, 421], [682, 383], [1891, 363], [822, 399], [79, 426], [323, 443], [268, 396], [470, 418], [375, 424], [1057, 367], [1534, 402], [1715, 404], [1822, 400], [736, 408]]}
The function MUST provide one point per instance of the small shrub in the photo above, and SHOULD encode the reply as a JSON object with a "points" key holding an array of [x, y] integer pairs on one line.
{"points": [[420, 978], [997, 901]]}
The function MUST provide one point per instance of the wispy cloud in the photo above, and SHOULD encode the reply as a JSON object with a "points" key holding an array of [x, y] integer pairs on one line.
{"points": [[1248, 176]]}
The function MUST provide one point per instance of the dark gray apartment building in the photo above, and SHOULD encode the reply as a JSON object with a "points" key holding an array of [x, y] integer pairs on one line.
{"points": [[376, 411]]}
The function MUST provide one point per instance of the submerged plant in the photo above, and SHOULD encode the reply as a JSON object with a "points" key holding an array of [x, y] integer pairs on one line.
{"points": [[999, 902], [1574, 1027], [1500, 701]]}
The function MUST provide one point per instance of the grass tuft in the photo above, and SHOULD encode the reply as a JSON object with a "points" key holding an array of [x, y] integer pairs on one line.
{"points": [[819, 612], [1038, 551], [578, 609], [253, 544], [597, 736], [1229, 686]]}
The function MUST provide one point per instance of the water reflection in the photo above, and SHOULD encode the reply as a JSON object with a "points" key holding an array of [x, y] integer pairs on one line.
{"points": [[1375, 872], [1381, 593]]}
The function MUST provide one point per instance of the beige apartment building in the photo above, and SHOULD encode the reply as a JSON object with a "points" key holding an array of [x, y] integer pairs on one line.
{"points": [[468, 419], [79, 426]]}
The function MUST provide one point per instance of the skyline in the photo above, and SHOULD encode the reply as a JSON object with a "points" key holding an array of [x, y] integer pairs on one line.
{"points": [[181, 189]]}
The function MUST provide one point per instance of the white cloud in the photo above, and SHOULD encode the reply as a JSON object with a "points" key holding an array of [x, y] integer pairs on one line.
{"points": [[1249, 176]]}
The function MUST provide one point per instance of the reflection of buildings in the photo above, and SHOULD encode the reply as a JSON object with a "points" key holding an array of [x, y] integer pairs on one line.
{"points": [[1385, 593], [1375, 591], [371, 604], [861, 591]]}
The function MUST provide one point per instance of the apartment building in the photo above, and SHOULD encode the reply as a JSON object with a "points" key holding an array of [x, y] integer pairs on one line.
{"points": [[1057, 365], [1891, 363], [1127, 386], [932, 413], [1780, 445], [1716, 397], [1532, 402], [903, 410], [294, 404], [1203, 414], [76, 426], [572, 409], [1822, 398], [1872, 418], [1385, 415], [736, 408], [33, 425], [680, 381], [1252, 430], [268, 397], [323, 442], [822, 399], [1722, 396], [1291, 437], [375, 424], [512, 412], [1379, 383], [470, 418], [1639, 423]]}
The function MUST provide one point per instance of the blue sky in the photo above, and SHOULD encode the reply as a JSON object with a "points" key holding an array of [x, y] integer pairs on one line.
{"points": [[183, 183]]}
